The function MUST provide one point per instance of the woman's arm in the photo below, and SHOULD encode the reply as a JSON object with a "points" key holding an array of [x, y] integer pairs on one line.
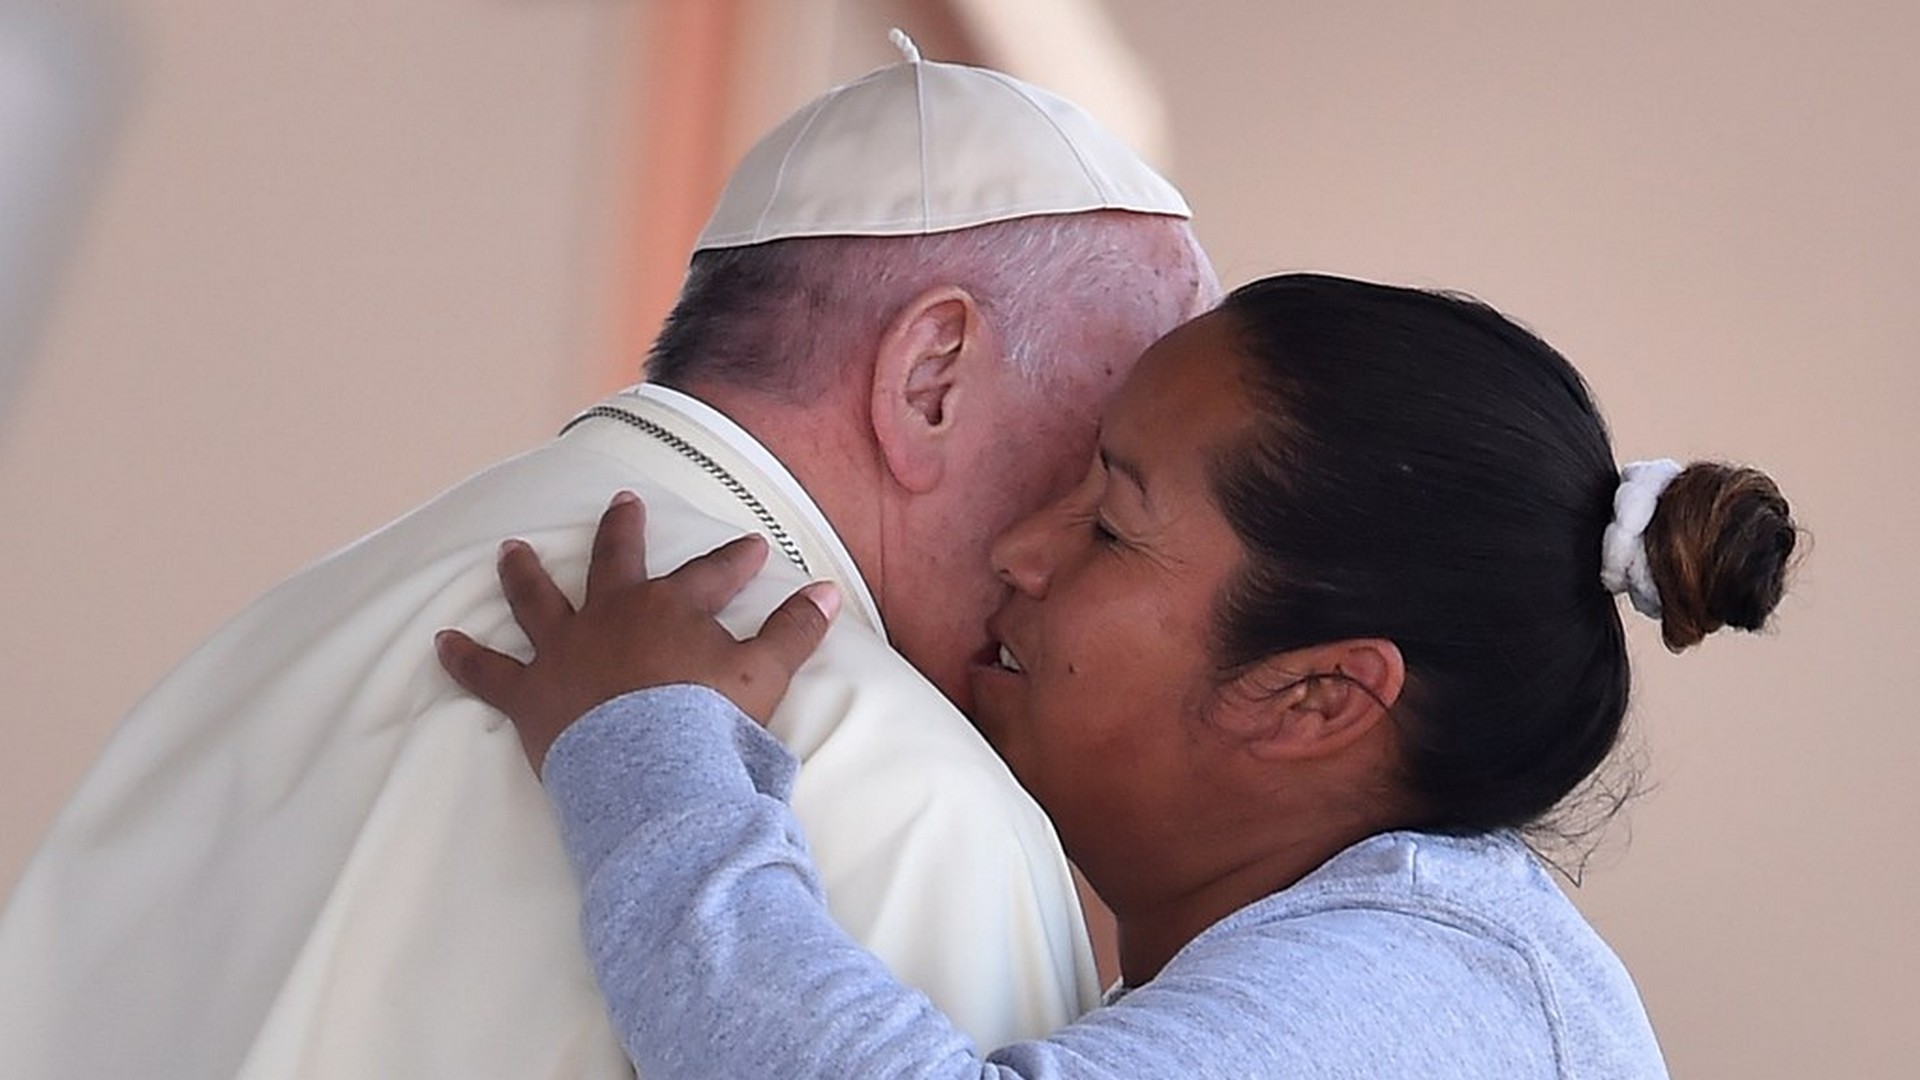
{"points": [[704, 918], [697, 883]]}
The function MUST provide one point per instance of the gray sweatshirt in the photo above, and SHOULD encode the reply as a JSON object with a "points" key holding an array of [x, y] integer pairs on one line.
{"points": [[1406, 955]]}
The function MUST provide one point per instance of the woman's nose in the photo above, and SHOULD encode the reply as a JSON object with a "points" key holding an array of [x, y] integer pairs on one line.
{"points": [[1023, 555]]}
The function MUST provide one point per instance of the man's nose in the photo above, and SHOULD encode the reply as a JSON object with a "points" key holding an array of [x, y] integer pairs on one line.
{"points": [[1023, 555]]}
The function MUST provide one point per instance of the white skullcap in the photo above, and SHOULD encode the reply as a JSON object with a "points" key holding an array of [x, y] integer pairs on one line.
{"points": [[924, 147]]}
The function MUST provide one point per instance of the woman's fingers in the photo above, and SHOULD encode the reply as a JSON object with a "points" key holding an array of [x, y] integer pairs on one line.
{"points": [[714, 578], [795, 628], [537, 603], [632, 633], [488, 675], [619, 547], [759, 669], [619, 559], [540, 701]]}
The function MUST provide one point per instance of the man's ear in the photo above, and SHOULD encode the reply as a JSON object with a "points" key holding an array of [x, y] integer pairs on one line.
{"points": [[1313, 702], [920, 376]]}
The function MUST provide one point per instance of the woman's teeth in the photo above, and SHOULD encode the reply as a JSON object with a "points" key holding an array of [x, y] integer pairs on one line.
{"points": [[1007, 661]]}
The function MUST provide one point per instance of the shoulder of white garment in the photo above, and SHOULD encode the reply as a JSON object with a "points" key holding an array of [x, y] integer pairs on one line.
{"points": [[912, 818], [317, 723]]}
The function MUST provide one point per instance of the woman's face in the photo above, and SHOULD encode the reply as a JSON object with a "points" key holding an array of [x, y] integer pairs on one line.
{"points": [[1103, 676]]}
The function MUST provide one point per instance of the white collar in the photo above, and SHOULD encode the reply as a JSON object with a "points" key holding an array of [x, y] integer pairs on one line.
{"points": [[714, 434]]}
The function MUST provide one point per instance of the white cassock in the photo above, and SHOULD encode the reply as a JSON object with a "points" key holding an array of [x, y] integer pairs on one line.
{"points": [[308, 854]]}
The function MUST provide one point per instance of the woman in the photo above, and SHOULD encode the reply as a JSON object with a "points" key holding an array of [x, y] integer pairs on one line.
{"points": [[1323, 630]]}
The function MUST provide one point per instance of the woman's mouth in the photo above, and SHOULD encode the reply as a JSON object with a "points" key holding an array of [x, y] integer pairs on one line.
{"points": [[996, 656]]}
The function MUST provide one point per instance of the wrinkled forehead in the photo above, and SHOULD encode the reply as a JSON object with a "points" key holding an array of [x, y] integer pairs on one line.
{"points": [[1187, 278]]}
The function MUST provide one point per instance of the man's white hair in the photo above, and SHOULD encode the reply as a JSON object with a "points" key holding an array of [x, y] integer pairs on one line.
{"points": [[784, 317]]}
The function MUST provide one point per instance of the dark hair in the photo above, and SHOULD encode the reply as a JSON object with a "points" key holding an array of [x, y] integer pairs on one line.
{"points": [[1718, 545], [1426, 471], [742, 318]]}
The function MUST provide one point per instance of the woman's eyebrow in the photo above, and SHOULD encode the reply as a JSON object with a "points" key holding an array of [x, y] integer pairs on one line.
{"points": [[1130, 471]]}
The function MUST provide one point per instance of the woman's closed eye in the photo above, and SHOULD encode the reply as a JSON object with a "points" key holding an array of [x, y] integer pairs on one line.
{"points": [[1108, 535]]}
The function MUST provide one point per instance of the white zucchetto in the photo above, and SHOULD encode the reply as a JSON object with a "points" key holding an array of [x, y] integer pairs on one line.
{"points": [[923, 147]]}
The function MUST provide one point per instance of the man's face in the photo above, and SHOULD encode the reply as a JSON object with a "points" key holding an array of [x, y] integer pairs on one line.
{"points": [[1032, 449], [940, 591]]}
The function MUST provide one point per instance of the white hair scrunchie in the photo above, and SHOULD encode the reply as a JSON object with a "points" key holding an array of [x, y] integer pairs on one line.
{"points": [[1623, 548]]}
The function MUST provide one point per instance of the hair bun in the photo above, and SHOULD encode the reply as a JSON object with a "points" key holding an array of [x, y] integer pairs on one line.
{"points": [[1719, 548]]}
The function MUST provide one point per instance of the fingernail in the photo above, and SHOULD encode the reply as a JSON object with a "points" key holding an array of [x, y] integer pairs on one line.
{"points": [[825, 596], [511, 544], [623, 497]]}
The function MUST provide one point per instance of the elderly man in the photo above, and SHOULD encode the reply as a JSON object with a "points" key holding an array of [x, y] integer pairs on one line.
{"points": [[307, 853]]}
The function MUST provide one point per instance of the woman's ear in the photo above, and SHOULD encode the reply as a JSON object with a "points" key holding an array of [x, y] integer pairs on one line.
{"points": [[1313, 702], [920, 376]]}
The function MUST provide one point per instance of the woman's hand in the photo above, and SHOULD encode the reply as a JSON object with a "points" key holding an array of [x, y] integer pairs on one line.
{"points": [[633, 633]]}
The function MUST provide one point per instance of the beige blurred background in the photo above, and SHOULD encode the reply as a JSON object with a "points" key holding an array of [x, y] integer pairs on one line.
{"points": [[338, 255]]}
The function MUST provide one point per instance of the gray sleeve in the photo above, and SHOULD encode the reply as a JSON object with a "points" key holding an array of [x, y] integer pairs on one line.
{"points": [[704, 918], [707, 932]]}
